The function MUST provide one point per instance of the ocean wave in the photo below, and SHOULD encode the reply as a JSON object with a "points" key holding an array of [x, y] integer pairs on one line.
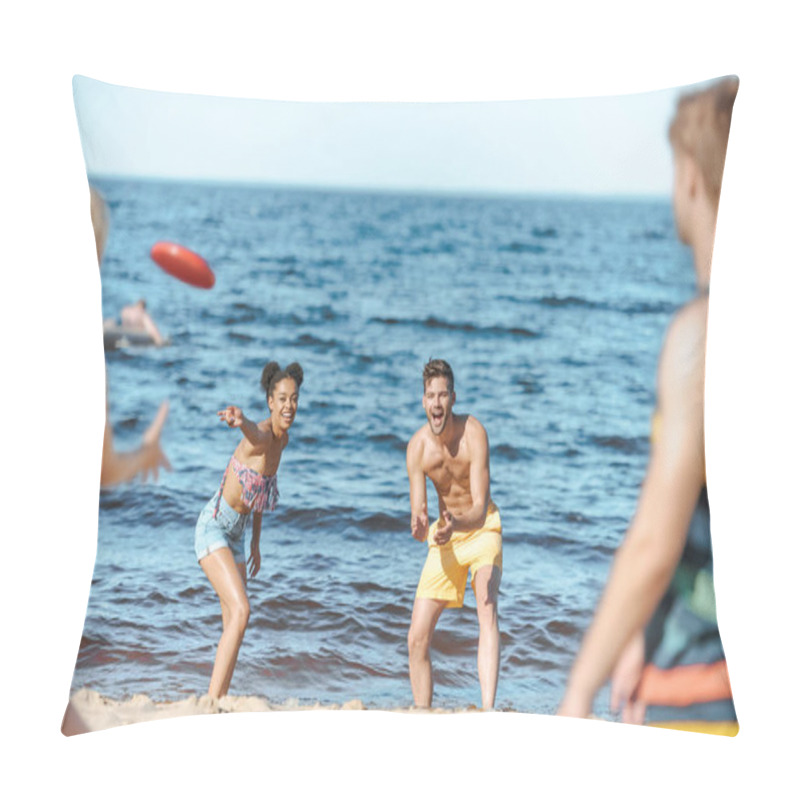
{"points": [[317, 518], [244, 314], [461, 327], [570, 301], [522, 247], [309, 340], [234, 336], [648, 308], [441, 249], [576, 518], [313, 668], [652, 235], [529, 385], [511, 453], [624, 444], [532, 663], [562, 545], [337, 519], [99, 654], [367, 587], [563, 628], [380, 522]]}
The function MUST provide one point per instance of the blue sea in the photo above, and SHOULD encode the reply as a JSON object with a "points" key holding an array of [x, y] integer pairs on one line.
{"points": [[551, 312]]}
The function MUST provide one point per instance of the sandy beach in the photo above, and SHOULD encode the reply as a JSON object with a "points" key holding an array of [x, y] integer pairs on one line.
{"points": [[90, 711]]}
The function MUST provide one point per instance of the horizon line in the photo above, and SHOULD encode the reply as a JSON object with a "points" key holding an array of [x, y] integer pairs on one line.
{"points": [[383, 189]]}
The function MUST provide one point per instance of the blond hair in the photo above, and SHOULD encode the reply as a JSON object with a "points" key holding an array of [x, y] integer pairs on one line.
{"points": [[700, 129]]}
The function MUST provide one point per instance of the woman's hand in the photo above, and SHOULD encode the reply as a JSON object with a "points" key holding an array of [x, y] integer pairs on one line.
{"points": [[232, 415], [254, 562]]}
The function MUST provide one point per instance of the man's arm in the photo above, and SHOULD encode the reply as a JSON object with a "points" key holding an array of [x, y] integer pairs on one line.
{"points": [[478, 443], [418, 492], [651, 550]]}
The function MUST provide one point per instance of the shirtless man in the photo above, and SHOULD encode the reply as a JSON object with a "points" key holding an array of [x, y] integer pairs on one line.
{"points": [[453, 451]]}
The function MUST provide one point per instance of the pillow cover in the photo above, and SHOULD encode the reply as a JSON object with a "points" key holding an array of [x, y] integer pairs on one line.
{"points": [[536, 248]]}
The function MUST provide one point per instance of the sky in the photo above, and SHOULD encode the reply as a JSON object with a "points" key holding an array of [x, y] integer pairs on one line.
{"points": [[613, 145]]}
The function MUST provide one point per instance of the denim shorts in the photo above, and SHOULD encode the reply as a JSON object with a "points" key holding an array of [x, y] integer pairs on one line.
{"points": [[226, 530]]}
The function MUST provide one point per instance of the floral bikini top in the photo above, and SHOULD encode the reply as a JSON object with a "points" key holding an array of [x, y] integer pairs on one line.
{"points": [[259, 492]]}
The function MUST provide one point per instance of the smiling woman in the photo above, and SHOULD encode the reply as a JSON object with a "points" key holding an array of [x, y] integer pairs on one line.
{"points": [[219, 535]]}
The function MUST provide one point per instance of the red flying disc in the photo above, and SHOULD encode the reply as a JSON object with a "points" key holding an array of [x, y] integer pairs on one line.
{"points": [[183, 264]]}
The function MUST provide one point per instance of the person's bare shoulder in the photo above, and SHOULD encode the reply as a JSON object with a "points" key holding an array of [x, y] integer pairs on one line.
{"points": [[415, 450], [417, 442], [265, 427], [684, 350], [681, 368], [474, 430]]}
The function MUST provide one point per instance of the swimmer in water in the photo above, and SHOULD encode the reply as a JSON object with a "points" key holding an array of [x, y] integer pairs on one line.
{"points": [[134, 318], [249, 484]]}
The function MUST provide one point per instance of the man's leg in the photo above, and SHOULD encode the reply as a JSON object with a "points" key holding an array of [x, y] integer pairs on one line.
{"points": [[423, 621], [487, 585]]}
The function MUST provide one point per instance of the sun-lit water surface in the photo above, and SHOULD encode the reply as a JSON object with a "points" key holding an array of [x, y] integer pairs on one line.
{"points": [[551, 312]]}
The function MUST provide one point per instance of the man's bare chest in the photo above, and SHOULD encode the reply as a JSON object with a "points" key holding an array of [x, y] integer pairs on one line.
{"points": [[445, 468]]}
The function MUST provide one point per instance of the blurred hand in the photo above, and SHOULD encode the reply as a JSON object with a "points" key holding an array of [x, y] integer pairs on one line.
{"points": [[575, 706], [152, 456], [625, 679]]}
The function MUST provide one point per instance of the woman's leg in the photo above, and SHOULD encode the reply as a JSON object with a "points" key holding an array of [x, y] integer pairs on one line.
{"points": [[228, 580]]}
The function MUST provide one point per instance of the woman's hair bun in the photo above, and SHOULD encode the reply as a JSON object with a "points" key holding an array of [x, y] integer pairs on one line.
{"points": [[272, 374], [268, 373], [294, 370]]}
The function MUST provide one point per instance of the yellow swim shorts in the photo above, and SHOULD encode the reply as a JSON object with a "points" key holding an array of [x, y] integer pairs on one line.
{"points": [[444, 576]]}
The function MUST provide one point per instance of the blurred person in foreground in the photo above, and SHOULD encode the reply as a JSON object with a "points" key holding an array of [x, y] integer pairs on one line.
{"points": [[116, 467], [655, 630]]}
